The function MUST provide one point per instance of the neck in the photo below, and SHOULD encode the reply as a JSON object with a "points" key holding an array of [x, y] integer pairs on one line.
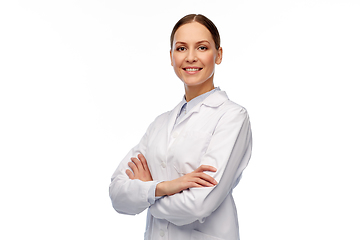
{"points": [[192, 92]]}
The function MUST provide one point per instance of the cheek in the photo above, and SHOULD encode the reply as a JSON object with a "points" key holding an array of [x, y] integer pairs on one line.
{"points": [[209, 60], [176, 60], [176, 63]]}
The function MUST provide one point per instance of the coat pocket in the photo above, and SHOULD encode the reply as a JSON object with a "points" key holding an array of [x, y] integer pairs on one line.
{"points": [[189, 149], [196, 235]]}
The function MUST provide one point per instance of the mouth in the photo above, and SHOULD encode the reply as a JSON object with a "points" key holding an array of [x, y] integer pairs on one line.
{"points": [[192, 69]]}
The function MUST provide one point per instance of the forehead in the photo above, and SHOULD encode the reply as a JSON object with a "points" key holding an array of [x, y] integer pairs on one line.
{"points": [[192, 32]]}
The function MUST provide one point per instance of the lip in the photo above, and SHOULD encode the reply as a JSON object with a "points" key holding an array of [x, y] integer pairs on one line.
{"points": [[192, 70]]}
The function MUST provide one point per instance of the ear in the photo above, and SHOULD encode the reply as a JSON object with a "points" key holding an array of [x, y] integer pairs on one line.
{"points": [[219, 56], [172, 64]]}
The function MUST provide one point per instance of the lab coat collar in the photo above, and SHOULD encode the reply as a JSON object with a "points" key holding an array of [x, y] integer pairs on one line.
{"points": [[214, 100]]}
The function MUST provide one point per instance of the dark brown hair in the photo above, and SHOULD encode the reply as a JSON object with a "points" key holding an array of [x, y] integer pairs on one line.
{"points": [[200, 19]]}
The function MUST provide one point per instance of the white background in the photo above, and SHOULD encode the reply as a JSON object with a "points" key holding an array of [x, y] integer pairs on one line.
{"points": [[82, 80]]}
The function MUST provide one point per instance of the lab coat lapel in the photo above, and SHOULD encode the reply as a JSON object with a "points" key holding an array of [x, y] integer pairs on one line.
{"points": [[171, 120], [214, 100], [193, 110]]}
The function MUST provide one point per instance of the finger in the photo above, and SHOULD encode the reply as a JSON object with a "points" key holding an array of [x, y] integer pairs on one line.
{"points": [[137, 163], [143, 161], [129, 173], [191, 183], [204, 183], [203, 168], [206, 177], [195, 185], [133, 168]]}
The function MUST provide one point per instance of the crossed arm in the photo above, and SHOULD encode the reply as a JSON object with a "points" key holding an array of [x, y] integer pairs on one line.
{"points": [[197, 178], [195, 195]]}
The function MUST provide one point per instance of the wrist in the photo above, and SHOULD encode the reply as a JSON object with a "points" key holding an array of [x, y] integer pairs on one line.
{"points": [[160, 189]]}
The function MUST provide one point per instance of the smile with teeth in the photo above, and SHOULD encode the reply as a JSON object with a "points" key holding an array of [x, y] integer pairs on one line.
{"points": [[192, 69]]}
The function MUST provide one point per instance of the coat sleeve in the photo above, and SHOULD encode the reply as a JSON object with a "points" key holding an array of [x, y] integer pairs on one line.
{"points": [[131, 196], [229, 151]]}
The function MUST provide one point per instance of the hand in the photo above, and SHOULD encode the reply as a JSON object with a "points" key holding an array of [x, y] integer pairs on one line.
{"points": [[140, 169], [196, 178]]}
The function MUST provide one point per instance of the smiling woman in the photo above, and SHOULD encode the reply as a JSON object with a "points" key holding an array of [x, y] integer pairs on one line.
{"points": [[193, 59], [186, 165]]}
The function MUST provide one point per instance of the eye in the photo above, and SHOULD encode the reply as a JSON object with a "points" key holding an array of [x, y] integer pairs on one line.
{"points": [[203, 48], [180, 49]]}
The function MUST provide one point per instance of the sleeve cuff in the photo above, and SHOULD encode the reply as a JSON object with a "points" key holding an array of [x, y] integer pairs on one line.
{"points": [[151, 194]]}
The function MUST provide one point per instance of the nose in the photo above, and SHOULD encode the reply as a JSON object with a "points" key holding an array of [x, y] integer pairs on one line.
{"points": [[191, 57]]}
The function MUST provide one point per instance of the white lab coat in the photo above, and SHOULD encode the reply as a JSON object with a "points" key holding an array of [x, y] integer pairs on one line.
{"points": [[215, 132]]}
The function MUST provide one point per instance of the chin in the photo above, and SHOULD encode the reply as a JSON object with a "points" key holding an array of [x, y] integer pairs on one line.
{"points": [[196, 82], [193, 83]]}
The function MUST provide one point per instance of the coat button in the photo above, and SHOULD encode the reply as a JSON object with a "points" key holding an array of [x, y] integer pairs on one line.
{"points": [[161, 233], [175, 134], [163, 165]]}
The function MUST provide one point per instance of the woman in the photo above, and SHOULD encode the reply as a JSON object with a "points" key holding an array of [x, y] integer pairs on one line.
{"points": [[189, 160]]}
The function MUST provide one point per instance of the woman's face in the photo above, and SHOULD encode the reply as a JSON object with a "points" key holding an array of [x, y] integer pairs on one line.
{"points": [[194, 55]]}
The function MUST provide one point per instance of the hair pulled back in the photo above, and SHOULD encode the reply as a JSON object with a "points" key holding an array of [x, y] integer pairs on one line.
{"points": [[200, 19]]}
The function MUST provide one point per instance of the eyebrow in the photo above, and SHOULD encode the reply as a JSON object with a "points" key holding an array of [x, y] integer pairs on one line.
{"points": [[179, 42]]}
